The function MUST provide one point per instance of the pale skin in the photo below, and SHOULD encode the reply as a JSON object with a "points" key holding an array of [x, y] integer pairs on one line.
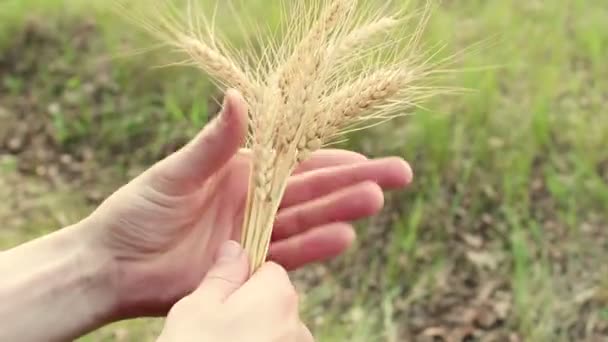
{"points": [[153, 243], [264, 307]]}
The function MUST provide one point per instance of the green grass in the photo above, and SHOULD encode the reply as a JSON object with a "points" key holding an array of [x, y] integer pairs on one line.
{"points": [[522, 152]]}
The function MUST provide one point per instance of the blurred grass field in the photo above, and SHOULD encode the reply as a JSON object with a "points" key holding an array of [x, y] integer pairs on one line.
{"points": [[501, 238]]}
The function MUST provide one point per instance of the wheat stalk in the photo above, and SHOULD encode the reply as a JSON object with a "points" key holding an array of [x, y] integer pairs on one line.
{"points": [[293, 92], [324, 78]]}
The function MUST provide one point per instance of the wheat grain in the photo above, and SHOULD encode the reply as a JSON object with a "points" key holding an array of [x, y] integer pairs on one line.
{"points": [[361, 37], [218, 66], [364, 94], [300, 76]]}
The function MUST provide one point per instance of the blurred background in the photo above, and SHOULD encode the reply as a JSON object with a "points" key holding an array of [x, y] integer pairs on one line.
{"points": [[502, 237]]}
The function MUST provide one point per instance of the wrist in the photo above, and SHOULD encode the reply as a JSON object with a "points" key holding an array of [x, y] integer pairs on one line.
{"points": [[95, 274], [136, 286], [50, 277]]}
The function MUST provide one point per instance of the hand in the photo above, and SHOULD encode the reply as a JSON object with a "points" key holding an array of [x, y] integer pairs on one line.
{"points": [[163, 228], [226, 307]]}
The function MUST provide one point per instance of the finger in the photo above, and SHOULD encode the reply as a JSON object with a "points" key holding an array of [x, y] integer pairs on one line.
{"points": [[270, 289], [320, 159], [304, 335], [226, 276], [268, 298], [315, 245], [208, 152], [388, 173], [327, 158], [348, 204]]}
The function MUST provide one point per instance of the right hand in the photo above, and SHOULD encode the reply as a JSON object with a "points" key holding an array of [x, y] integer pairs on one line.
{"points": [[228, 307]]}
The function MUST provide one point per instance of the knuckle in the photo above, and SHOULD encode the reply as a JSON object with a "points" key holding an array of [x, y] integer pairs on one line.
{"points": [[299, 220], [222, 280]]}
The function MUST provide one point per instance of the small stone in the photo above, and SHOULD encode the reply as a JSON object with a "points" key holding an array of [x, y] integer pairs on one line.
{"points": [[94, 196], [15, 144], [474, 241], [87, 154], [483, 259], [434, 333], [41, 170], [66, 159], [502, 309], [486, 318], [54, 108]]}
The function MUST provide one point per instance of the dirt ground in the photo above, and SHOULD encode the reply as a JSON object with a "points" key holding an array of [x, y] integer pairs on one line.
{"points": [[470, 293]]}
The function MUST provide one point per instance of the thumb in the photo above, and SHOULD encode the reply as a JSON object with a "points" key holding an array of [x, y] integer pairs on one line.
{"points": [[229, 273], [189, 167]]}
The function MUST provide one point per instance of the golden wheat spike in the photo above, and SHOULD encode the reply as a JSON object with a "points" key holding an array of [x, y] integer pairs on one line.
{"points": [[218, 66], [325, 77]]}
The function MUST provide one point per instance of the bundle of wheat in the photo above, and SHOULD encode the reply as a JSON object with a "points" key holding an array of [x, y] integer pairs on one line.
{"points": [[330, 73]]}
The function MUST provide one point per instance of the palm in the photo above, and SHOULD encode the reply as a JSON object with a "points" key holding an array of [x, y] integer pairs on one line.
{"points": [[197, 222]]}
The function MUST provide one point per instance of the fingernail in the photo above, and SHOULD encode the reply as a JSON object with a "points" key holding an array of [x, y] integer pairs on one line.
{"points": [[226, 102], [229, 251]]}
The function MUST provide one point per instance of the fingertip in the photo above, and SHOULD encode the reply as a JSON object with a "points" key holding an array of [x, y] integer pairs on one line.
{"points": [[275, 271], [407, 171], [345, 235], [272, 267], [403, 171], [233, 98], [234, 111], [318, 244], [349, 234], [229, 272], [232, 92], [373, 197], [230, 251]]}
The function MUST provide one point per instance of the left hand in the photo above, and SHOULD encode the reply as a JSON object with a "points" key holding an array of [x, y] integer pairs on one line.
{"points": [[162, 230]]}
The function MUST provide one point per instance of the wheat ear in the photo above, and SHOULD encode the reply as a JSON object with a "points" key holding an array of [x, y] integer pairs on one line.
{"points": [[218, 66], [194, 38], [326, 78], [294, 90]]}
